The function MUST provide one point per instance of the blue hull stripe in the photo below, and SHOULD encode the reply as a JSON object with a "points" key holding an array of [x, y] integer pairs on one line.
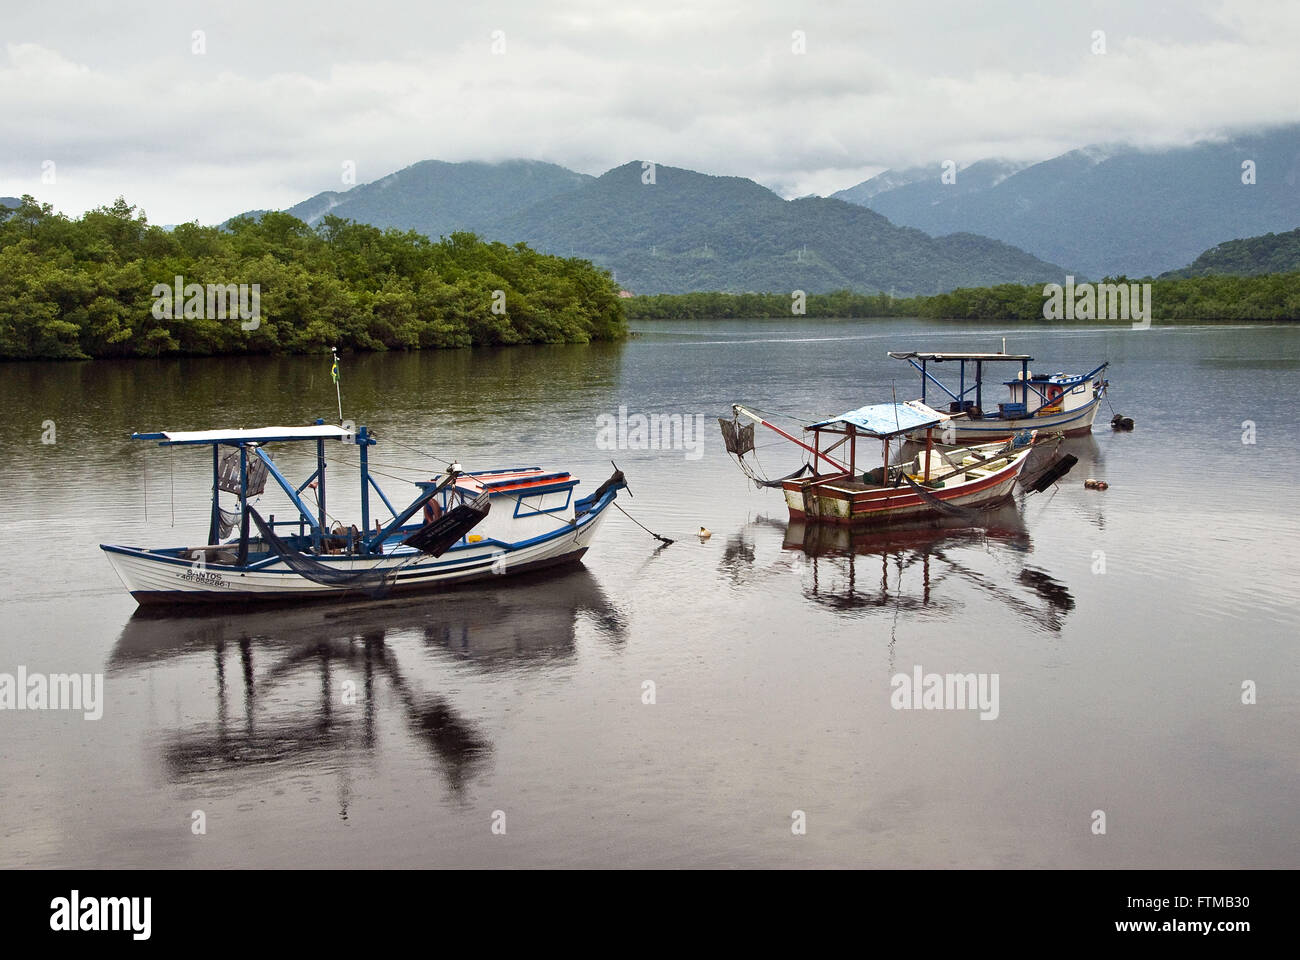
{"points": [[466, 563]]}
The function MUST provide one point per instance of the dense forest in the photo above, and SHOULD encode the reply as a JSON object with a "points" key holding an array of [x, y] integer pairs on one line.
{"points": [[1271, 253], [91, 287], [94, 287], [1213, 297]]}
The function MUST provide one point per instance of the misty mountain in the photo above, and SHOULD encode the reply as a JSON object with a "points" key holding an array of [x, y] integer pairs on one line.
{"points": [[685, 231], [1109, 210], [926, 182], [690, 231]]}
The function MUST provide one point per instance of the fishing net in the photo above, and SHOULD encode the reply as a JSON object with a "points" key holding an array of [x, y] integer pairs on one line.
{"points": [[372, 582], [943, 506], [226, 523], [805, 468], [739, 439]]}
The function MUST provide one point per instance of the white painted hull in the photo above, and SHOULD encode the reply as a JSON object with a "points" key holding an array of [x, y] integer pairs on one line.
{"points": [[1067, 423], [154, 578]]}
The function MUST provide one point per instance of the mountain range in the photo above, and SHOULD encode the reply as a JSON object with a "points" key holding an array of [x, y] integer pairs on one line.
{"points": [[1107, 210], [677, 230], [1094, 212]]}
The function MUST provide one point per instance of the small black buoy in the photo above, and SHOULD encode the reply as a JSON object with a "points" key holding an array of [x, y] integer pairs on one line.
{"points": [[1121, 422]]}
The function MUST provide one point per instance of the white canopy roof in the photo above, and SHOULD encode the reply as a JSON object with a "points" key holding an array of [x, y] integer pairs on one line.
{"points": [[258, 434], [940, 357]]}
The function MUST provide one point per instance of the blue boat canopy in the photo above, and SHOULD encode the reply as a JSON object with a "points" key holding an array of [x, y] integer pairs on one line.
{"points": [[886, 419]]}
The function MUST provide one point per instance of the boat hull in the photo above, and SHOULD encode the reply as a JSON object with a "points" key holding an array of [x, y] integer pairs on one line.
{"points": [[157, 579], [856, 505], [1069, 423]]}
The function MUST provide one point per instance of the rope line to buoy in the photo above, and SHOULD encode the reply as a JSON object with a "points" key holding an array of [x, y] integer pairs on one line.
{"points": [[663, 540]]}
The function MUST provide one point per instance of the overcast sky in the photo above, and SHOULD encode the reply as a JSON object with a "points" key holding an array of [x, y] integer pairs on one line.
{"points": [[285, 93]]}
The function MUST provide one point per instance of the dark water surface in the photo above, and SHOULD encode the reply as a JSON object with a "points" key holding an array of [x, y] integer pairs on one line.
{"points": [[1119, 691]]}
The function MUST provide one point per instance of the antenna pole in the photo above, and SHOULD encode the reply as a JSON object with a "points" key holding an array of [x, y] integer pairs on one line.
{"points": [[338, 393]]}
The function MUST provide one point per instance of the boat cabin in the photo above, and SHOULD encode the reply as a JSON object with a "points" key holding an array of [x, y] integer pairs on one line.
{"points": [[880, 422], [1030, 394]]}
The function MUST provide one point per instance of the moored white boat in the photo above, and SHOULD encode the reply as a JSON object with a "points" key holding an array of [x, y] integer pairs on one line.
{"points": [[1057, 404], [521, 520]]}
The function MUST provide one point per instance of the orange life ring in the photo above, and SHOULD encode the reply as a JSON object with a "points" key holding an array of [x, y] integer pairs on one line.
{"points": [[1053, 404]]}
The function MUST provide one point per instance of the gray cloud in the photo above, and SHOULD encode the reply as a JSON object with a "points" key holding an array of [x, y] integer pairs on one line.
{"points": [[286, 93]]}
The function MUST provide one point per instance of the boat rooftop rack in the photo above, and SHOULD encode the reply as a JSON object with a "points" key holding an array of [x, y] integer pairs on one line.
{"points": [[940, 357]]}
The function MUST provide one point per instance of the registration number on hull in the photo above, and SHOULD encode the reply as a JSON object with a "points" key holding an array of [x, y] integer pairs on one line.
{"points": [[203, 578]]}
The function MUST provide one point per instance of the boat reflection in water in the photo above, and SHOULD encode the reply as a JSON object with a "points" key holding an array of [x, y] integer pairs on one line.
{"points": [[931, 570], [311, 682], [848, 570]]}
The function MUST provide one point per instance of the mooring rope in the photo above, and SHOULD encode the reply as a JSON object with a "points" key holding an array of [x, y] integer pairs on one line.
{"points": [[420, 452], [664, 540]]}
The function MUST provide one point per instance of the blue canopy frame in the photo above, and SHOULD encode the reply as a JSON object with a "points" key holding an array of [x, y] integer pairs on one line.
{"points": [[921, 361], [251, 441]]}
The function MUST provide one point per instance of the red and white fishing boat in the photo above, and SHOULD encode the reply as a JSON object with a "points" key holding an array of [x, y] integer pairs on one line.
{"points": [[938, 480]]}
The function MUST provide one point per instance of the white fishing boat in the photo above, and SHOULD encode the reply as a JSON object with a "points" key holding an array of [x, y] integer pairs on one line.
{"points": [[461, 526], [1058, 404]]}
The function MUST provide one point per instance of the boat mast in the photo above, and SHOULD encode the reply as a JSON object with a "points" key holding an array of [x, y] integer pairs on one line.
{"points": [[214, 527], [320, 484], [242, 557], [363, 441]]}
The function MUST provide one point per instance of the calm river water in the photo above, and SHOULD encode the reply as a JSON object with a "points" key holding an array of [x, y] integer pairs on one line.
{"points": [[1121, 626]]}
